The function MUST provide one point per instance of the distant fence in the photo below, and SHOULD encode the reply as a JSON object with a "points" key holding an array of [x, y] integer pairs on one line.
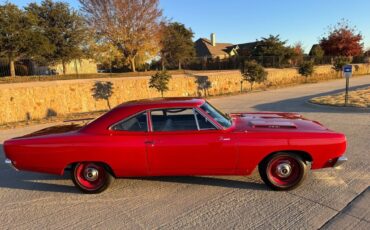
{"points": [[266, 61], [29, 68]]}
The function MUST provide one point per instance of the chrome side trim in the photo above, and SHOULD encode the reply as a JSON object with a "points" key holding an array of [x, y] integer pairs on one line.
{"points": [[341, 160]]}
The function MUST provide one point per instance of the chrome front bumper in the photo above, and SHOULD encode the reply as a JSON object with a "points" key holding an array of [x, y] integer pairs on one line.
{"points": [[341, 160], [9, 162]]}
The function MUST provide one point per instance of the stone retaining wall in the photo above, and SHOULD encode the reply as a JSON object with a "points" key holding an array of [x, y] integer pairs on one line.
{"points": [[37, 100]]}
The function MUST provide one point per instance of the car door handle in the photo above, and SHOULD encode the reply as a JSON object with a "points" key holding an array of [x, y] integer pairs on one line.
{"points": [[225, 138], [151, 143]]}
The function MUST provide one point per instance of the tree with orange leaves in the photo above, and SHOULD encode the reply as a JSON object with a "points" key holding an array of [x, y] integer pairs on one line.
{"points": [[342, 40]]}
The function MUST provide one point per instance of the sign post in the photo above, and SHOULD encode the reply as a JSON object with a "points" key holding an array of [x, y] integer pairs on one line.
{"points": [[347, 73]]}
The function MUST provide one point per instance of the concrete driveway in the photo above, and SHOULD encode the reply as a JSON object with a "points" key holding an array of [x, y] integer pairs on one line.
{"points": [[329, 198]]}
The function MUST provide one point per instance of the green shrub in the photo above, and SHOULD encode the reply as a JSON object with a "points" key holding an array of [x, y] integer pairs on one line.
{"points": [[253, 72], [339, 62], [306, 69]]}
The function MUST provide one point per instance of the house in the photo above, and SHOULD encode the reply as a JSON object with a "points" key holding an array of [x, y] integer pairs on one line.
{"points": [[209, 48], [77, 66]]}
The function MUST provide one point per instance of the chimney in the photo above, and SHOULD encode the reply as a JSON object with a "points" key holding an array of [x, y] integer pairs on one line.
{"points": [[213, 39]]}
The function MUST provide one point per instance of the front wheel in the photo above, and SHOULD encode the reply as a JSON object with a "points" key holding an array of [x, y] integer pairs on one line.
{"points": [[283, 171], [91, 177]]}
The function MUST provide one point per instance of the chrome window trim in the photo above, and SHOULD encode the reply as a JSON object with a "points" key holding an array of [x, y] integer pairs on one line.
{"points": [[196, 119], [127, 118], [187, 107], [202, 114], [220, 127]]}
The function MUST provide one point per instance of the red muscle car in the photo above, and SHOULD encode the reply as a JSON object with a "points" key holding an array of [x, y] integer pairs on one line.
{"points": [[180, 136]]}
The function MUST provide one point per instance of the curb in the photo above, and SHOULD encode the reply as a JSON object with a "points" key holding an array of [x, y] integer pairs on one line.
{"points": [[338, 108]]}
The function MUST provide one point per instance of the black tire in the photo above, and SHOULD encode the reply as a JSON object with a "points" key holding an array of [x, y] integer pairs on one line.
{"points": [[283, 171], [90, 177]]}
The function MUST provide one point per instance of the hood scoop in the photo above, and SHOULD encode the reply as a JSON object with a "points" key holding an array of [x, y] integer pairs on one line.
{"points": [[272, 124]]}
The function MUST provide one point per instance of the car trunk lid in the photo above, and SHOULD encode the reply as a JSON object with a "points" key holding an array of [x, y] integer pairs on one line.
{"points": [[58, 129]]}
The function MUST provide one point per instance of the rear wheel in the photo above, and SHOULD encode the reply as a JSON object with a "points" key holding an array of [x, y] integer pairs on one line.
{"points": [[283, 171], [91, 177]]}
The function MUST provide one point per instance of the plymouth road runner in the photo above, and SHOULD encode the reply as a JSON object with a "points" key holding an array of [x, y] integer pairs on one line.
{"points": [[179, 136]]}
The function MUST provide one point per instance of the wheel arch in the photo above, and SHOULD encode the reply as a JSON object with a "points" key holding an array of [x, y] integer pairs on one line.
{"points": [[305, 155], [70, 166]]}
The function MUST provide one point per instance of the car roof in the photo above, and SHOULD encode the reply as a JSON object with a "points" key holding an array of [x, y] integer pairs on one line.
{"points": [[131, 107], [168, 101]]}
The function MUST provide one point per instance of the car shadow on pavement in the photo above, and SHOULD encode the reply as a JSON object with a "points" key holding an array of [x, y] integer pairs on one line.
{"points": [[208, 181], [41, 187], [301, 104], [35, 182]]}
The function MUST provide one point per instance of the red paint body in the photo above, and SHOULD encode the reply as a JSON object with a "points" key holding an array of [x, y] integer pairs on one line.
{"points": [[233, 151]]}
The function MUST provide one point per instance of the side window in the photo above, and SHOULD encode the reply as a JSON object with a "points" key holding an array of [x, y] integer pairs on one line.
{"points": [[137, 123], [177, 119], [203, 122]]}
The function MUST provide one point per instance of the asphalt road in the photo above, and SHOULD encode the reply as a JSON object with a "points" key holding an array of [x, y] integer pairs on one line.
{"points": [[329, 198]]}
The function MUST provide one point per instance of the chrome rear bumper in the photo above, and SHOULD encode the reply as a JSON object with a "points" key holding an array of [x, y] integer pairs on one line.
{"points": [[9, 162], [341, 160]]}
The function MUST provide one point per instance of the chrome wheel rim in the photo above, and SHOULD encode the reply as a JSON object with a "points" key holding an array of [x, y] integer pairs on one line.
{"points": [[91, 174]]}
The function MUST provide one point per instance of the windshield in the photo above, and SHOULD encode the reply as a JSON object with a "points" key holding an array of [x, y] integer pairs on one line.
{"points": [[221, 118]]}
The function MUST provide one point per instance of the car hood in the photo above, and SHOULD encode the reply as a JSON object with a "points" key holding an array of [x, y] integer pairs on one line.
{"points": [[275, 121]]}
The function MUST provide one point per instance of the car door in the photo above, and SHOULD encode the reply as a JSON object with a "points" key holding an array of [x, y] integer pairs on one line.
{"points": [[184, 142], [127, 143]]}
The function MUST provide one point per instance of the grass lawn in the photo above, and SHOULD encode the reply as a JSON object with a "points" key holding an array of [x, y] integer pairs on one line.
{"points": [[357, 98]]}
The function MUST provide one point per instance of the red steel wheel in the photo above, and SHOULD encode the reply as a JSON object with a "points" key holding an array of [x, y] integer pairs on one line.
{"points": [[91, 177], [283, 171]]}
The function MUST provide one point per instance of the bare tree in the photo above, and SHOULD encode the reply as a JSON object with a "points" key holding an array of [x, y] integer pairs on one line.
{"points": [[131, 25]]}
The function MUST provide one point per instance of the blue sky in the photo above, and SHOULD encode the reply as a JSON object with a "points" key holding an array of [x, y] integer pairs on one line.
{"points": [[239, 21]]}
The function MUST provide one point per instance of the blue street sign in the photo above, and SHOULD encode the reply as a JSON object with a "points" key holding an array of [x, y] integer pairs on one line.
{"points": [[347, 68]]}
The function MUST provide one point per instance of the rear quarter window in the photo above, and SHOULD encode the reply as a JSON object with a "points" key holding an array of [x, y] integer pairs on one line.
{"points": [[136, 123]]}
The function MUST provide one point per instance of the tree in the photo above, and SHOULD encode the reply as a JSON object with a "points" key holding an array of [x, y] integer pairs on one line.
{"points": [[298, 53], [19, 36], [133, 26], [177, 44], [342, 40], [64, 28], [253, 72], [306, 69], [105, 54], [159, 81], [103, 90], [339, 62], [317, 53], [273, 47]]}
